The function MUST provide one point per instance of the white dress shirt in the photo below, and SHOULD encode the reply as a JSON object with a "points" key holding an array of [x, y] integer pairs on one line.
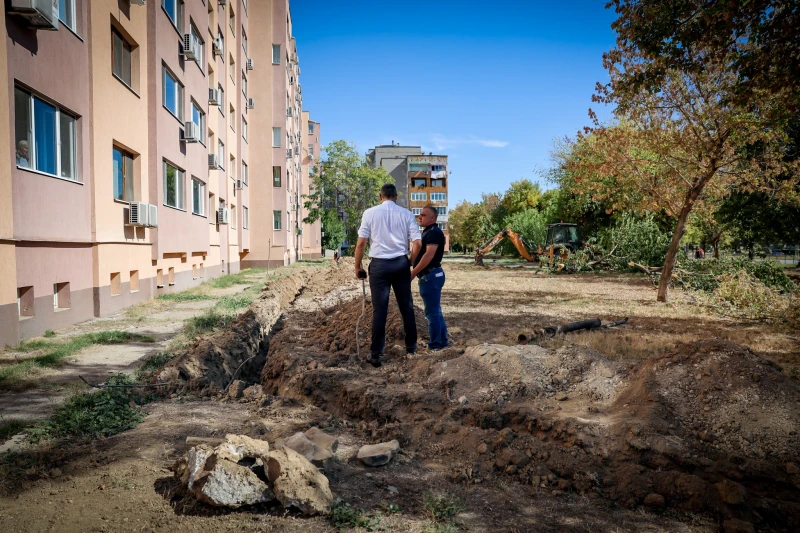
{"points": [[388, 227]]}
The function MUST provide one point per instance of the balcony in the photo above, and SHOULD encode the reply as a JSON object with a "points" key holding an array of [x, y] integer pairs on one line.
{"points": [[419, 174], [419, 183]]}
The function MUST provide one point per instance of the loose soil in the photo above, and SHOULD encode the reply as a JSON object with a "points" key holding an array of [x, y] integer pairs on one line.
{"points": [[677, 421]]}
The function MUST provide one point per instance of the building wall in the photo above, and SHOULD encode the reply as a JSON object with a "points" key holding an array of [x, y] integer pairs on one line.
{"points": [[427, 162], [393, 158], [312, 233]]}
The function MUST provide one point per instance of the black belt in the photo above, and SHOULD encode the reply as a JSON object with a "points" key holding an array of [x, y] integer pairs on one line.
{"points": [[428, 270]]}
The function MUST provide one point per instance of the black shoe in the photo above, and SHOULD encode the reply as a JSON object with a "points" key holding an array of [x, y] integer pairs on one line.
{"points": [[374, 360], [411, 351]]}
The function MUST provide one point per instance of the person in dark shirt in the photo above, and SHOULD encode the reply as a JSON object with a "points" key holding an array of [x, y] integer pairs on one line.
{"points": [[428, 267]]}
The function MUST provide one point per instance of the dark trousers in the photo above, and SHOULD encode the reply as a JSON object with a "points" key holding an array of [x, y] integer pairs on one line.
{"points": [[383, 275]]}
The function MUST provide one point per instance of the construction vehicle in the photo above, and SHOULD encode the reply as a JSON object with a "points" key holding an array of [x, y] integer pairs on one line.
{"points": [[560, 239]]}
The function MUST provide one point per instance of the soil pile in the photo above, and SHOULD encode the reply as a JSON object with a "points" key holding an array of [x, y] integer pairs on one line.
{"points": [[660, 435]]}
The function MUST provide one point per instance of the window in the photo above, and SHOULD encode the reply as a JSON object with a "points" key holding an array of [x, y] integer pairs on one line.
{"points": [[201, 45], [419, 196], [202, 270], [232, 69], [123, 175], [45, 136], [173, 94], [194, 271], [437, 168], [232, 167], [221, 42], [310, 128], [174, 10], [441, 210], [159, 278], [233, 118], [244, 129], [442, 226], [66, 13], [173, 186], [116, 284], [233, 216], [134, 284], [221, 153], [25, 302], [221, 98], [244, 41], [276, 176], [418, 183], [171, 276], [277, 216], [311, 151], [276, 54], [121, 55], [244, 173], [244, 84], [245, 218], [232, 21], [437, 183], [198, 197], [61, 298], [199, 118], [438, 196], [276, 137], [416, 211]]}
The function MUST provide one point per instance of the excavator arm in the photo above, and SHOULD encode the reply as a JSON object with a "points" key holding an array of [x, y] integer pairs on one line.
{"points": [[517, 239]]}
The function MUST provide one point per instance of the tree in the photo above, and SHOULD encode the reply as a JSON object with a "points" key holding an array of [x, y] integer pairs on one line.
{"points": [[759, 37], [684, 142], [347, 183], [456, 219], [521, 195], [530, 223], [333, 228]]}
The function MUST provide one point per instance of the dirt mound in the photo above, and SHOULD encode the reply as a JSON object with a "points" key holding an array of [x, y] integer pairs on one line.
{"points": [[336, 332], [663, 434]]}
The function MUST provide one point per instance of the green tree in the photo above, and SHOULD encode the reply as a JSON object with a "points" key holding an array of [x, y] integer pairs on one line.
{"points": [[347, 183], [456, 219], [521, 195], [333, 227], [530, 223]]}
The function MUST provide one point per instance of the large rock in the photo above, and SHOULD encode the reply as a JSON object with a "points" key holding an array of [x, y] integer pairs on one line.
{"points": [[300, 443], [195, 461], [731, 492], [322, 439], [378, 454], [237, 447], [236, 389], [224, 483], [298, 483]]}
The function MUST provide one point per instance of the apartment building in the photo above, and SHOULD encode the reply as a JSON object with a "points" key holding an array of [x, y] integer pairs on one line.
{"points": [[312, 233], [129, 170], [428, 179], [394, 158]]}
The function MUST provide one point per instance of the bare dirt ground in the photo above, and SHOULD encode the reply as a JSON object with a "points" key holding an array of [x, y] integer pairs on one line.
{"points": [[678, 421]]}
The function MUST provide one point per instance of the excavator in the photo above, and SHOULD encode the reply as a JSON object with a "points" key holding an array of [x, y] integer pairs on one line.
{"points": [[560, 237]]}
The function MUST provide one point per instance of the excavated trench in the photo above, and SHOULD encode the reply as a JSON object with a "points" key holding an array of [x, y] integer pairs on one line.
{"points": [[710, 428]]}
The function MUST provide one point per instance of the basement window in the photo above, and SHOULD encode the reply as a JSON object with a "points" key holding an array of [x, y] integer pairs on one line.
{"points": [[134, 281], [171, 278], [61, 299], [25, 306], [159, 278], [116, 284]]}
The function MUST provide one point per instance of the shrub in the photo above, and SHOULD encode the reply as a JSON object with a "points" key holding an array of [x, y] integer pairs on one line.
{"points": [[706, 273], [345, 516], [637, 239]]}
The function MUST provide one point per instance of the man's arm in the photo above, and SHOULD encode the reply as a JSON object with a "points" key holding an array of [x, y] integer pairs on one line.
{"points": [[416, 246], [426, 259], [361, 245]]}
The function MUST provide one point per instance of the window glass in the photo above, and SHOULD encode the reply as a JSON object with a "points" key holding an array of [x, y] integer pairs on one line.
{"points": [[276, 137], [310, 129], [244, 129], [22, 127], [174, 9], [310, 150], [173, 186], [245, 218], [123, 175], [244, 41], [438, 196], [67, 137], [66, 13], [276, 54], [121, 52], [198, 197], [244, 172], [44, 123], [199, 118], [221, 153], [276, 176], [416, 210], [442, 210], [173, 94], [276, 220], [200, 46]]}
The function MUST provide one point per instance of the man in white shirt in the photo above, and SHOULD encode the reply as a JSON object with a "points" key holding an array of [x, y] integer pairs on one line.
{"points": [[389, 228]]}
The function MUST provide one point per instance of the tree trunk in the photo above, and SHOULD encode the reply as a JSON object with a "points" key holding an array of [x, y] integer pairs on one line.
{"points": [[715, 244], [674, 245]]}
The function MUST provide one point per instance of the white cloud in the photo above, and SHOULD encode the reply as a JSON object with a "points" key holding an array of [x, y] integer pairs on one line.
{"points": [[443, 143]]}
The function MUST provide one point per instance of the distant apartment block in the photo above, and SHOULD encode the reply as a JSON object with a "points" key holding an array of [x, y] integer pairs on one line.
{"points": [[150, 146], [421, 179]]}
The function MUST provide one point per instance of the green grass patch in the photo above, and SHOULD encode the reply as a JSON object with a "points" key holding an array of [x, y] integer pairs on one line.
{"points": [[239, 278], [156, 361], [9, 429], [234, 302], [442, 508], [53, 353], [185, 296], [49, 333], [345, 516], [106, 412], [205, 322]]}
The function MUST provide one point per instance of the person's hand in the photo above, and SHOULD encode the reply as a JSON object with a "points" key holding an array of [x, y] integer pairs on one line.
{"points": [[361, 274]]}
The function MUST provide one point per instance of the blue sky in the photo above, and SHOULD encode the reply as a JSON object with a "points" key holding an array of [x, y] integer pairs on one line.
{"points": [[491, 84]]}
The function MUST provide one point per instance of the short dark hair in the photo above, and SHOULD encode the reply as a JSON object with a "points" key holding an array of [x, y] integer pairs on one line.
{"points": [[389, 191], [433, 210]]}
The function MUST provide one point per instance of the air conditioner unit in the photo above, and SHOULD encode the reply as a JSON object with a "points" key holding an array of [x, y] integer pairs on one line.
{"points": [[289, 153], [213, 162], [152, 216], [138, 2], [250, 64], [289, 112], [222, 215], [40, 14], [191, 132], [190, 46], [239, 184], [213, 97], [251, 104], [217, 46], [291, 80], [296, 151], [138, 214]]}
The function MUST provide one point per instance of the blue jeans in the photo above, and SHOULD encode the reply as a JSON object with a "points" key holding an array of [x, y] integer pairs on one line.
{"points": [[430, 288]]}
